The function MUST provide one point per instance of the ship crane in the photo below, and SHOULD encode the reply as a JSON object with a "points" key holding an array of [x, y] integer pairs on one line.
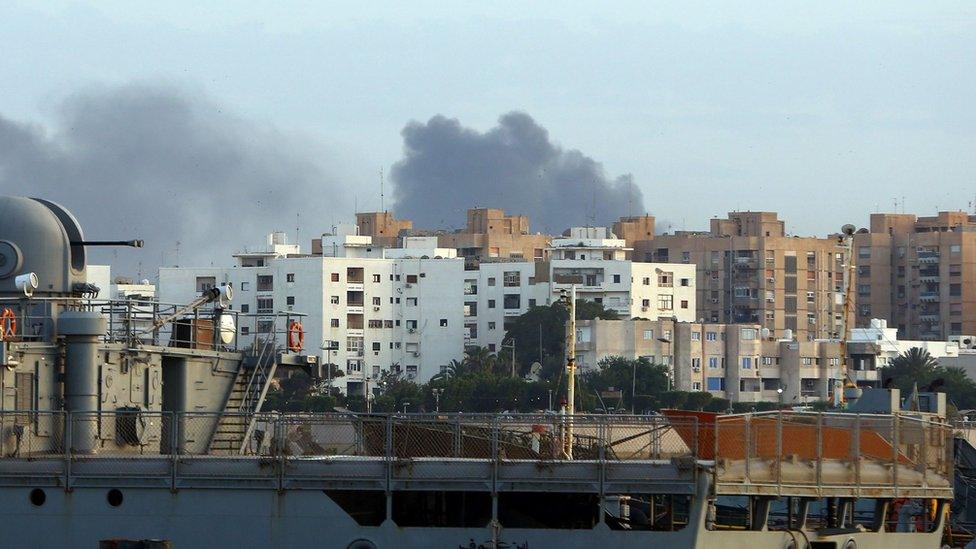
{"points": [[845, 389]]}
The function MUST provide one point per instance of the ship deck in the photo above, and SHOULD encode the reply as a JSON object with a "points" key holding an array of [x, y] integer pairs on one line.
{"points": [[778, 454]]}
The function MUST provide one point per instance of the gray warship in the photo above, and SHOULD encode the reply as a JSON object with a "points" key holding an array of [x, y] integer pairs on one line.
{"points": [[134, 419]]}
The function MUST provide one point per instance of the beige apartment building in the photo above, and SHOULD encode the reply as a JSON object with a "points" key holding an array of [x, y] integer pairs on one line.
{"points": [[919, 273], [728, 361], [385, 229], [751, 272], [489, 234]]}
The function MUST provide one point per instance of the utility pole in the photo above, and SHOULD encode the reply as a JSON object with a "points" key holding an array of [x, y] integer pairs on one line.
{"points": [[570, 375]]}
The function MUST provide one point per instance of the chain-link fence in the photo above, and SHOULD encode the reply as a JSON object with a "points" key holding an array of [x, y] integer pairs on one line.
{"points": [[771, 453]]}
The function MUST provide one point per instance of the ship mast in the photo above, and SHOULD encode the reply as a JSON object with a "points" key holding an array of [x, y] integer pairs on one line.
{"points": [[844, 388]]}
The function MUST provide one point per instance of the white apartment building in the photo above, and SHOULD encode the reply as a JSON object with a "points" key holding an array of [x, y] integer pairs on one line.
{"points": [[369, 309], [498, 292]]}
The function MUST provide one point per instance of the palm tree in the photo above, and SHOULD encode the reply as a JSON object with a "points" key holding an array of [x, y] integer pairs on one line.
{"points": [[455, 369], [480, 359], [913, 366]]}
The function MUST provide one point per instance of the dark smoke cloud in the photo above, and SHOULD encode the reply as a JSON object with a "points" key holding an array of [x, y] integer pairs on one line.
{"points": [[167, 166], [448, 168]]}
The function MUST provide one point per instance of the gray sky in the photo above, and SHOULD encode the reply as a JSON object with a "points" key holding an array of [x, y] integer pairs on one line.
{"points": [[822, 111]]}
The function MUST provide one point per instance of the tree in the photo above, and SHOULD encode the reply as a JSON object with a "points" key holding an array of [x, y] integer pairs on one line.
{"points": [[640, 382], [479, 359], [913, 366], [546, 325]]}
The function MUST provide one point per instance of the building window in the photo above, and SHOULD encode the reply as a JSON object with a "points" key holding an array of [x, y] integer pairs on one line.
{"points": [[290, 300], [377, 301], [411, 279], [686, 282], [387, 323], [491, 303], [696, 336], [767, 360], [746, 363], [491, 325], [411, 324], [647, 281], [265, 283], [713, 362], [648, 334], [665, 279], [716, 383], [334, 322], [245, 308], [265, 305], [334, 299], [864, 252], [376, 345], [531, 303], [747, 334], [696, 363], [684, 303], [245, 330], [955, 290], [616, 279], [206, 283], [696, 385], [376, 278], [955, 249], [645, 303], [335, 277], [665, 302], [265, 326], [512, 301], [710, 336], [491, 281], [245, 286], [375, 324], [513, 279], [685, 257], [411, 302], [443, 322], [290, 277]]}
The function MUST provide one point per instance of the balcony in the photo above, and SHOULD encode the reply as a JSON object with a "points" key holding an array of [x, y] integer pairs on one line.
{"points": [[354, 309], [864, 375], [354, 286], [928, 258], [929, 317], [354, 353], [929, 296]]}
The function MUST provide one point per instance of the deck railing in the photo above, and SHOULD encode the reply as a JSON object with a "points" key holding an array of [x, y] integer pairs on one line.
{"points": [[755, 454]]}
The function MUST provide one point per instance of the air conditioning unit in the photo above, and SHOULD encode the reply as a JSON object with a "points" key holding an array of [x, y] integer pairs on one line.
{"points": [[771, 280], [644, 308], [376, 308], [964, 341], [415, 353], [411, 330], [696, 369], [714, 300]]}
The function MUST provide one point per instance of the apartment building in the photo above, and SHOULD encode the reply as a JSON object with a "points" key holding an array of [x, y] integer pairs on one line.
{"points": [[384, 229], [499, 291], [750, 271], [733, 361], [369, 309], [919, 273]]}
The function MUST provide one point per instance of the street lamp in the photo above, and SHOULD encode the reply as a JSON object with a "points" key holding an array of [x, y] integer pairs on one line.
{"points": [[511, 344], [779, 392], [670, 359], [405, 404], [437, 398]]}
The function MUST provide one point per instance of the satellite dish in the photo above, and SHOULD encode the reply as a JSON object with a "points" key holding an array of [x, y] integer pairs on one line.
{"points": [[848, 229], [227, 328], [534, 371]]}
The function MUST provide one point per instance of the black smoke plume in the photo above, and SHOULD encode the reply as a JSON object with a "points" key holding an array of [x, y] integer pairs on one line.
{"points": [[161, 164], [448, 168]]}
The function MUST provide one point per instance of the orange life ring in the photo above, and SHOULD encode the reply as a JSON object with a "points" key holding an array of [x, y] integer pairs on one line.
{"points": [[8, 324], [296, 336]]}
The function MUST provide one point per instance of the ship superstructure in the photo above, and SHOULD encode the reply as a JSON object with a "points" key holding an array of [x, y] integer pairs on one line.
{"points": [[136, 419]]}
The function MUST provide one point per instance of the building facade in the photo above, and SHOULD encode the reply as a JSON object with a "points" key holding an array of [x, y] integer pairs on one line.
{"points": [[919, 273], [499, 291], [750, 271], [729, 361], [370, 310]]}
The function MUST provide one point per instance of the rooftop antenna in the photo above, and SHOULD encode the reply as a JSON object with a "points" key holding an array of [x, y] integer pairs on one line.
{"points": [[382, 206], [902, 203]]}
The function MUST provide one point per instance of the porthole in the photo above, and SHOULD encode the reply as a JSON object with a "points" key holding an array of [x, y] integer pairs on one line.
{"points": [[37, 497], [114, 497]]}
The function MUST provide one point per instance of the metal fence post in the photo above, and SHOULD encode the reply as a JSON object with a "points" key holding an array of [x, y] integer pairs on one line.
{"points": [[747, 435], [779, 453], [856, 455], [923, 451], [389, 449], [173, 427], [895, 443], [819, 454], [67, 450]]}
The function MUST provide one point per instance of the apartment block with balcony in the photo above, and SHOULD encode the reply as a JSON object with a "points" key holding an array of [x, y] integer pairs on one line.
{"points": [[729, 361], [750, 271], [919, 273], [367, 313], [499, 291]]}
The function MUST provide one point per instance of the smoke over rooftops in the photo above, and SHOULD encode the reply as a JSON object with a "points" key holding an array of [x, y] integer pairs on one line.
{"points": [[161, 164], [448, 168]]}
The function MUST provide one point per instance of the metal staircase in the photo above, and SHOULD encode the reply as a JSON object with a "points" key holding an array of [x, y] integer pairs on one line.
{"points": [[241, 412]]}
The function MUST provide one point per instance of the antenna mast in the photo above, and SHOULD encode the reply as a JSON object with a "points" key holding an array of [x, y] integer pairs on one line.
{"points": [[382, 207]]}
